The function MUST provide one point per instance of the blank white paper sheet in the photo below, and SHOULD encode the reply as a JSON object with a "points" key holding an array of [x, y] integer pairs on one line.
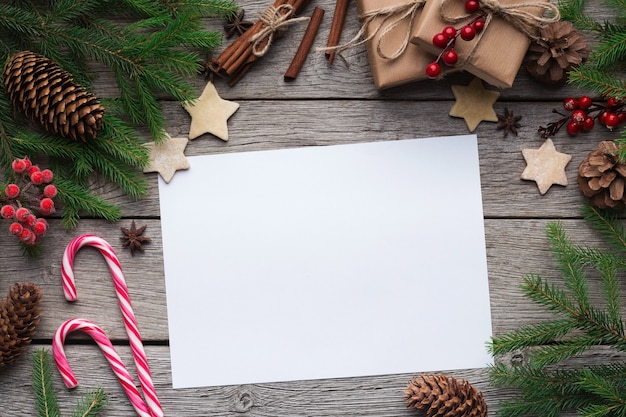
{"points": [[325, 262]]}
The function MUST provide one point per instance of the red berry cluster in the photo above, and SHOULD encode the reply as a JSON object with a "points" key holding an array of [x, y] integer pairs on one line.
{"points": [[583, 115], [446, 39], [32, 191]]}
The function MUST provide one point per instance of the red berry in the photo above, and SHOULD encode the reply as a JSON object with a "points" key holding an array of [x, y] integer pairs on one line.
{"points": [[37, 177], [579, 116], [440, 40], [27, 163], [47, 176], [18, 166], [46, 206], [588, 124], [50, 191], [603, 116], [570, 104], [479, 25], [15, 229], [472, 6], [433, 70], [28, 237], [40, 227], [450, 57], [584, 102], [468, 33], [613, 102], [449, 31], [611, 121], [572, 128], [7, 211], [33, 168], [621, 117], [12, 190], [21, 214]]}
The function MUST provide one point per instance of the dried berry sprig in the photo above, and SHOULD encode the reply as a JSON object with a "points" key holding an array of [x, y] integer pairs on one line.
{"points": [[582, 116], [446, 39], [31, 192]]}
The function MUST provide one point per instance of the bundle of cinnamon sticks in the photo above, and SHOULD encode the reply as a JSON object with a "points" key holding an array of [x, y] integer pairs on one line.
{"points": [[238, 57]]}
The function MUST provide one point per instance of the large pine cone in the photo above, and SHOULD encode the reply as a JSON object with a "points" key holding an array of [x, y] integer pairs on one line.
{"points": [[558, 48], [444, 396], [48, 95], [19, 316], [601, 177]]}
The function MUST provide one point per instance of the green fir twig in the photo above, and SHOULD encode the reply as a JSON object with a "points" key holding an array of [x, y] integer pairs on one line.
{"points": [[546, 386], [90, 405]]}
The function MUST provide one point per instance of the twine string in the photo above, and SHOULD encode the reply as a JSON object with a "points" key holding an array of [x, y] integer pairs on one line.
{"points": [[516, 14], [392, 16], [274, 19]]}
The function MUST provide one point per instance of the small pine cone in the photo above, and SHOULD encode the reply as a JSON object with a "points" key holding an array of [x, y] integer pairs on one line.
{"points": [[48, 96], [558, 48], [19, 316], [601, 177], [444, 396]]}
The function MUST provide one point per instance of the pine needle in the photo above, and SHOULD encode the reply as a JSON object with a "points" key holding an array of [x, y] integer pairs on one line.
{"points": [[45, 397]]}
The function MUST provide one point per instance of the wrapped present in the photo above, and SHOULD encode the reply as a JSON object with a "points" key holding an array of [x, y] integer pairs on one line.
{"points": [[496, 53], [388, 26]]}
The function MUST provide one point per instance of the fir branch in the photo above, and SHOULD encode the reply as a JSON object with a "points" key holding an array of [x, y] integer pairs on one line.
{"points": [[77, 199], [92, 404], [558, 352], [610, 50], [45, 397], [607, 225], [532, 335]]}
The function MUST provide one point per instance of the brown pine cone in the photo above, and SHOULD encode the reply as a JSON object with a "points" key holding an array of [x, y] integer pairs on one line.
{"points": [[601, 177], [444, 396], [19, 316], [558, 48], [48, 96]]}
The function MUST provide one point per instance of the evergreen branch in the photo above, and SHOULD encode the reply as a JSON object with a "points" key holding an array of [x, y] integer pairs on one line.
{"points": [[217, 8], [77, 199], [45, 397], [573, 10], [548, 295], [127, 179], [587, 77], [532, 335], [122, 142], [610, 50], [92, 404], [612, 294], [607, 225], [601, 387], [573, 274], [558, 352]]}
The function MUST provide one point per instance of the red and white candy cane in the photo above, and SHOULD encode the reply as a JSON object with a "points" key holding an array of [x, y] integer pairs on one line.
{"points": [[69, 288], [110, 353]]}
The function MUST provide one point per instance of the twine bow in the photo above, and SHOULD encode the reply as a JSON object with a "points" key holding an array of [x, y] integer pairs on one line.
{"points": [[398, 13], [274, 19], [524, 21]]}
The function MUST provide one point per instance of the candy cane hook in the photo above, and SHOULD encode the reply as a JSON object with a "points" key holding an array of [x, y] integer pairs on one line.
{"points": [[69, 289], [110, 353]]}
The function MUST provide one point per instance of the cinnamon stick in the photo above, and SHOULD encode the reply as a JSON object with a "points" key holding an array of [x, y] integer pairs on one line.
{"points": [[339, 17], [237, 58], [305, 45]]}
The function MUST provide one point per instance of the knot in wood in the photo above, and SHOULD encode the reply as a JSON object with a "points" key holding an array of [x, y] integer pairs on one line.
{"points": [[243, 401]]}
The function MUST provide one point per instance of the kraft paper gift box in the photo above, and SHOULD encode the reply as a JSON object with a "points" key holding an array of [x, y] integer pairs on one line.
{"points": [[496, 55], [411, 65]]}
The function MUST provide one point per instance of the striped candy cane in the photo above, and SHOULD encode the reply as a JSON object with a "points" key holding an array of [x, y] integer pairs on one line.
{"points": [[110, 353], [69, 289]]}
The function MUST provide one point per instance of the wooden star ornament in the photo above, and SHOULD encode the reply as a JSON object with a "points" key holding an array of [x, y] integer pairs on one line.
{"points": [[210, 114], [545, 166], [167, 157], [474, 104]]}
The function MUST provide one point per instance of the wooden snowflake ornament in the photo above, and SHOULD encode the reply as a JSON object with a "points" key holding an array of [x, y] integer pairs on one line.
{"points": [[545, 166]]}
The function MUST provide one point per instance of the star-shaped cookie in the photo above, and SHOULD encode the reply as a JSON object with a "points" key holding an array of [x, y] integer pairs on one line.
{"points": [[167, 157], [474, 104], [210, 113], [545, 166]]}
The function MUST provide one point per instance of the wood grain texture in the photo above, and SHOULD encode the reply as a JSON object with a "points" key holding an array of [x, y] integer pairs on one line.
{"points": [[327, 104]]}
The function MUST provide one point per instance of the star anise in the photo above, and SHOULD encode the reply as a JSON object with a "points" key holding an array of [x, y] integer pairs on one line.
{"points": [[133, 238], [237, 25], [508, 122]]}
